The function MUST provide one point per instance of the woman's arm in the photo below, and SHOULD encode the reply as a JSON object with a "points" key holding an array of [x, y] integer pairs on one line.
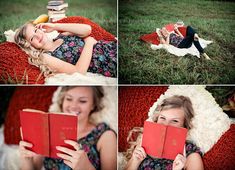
{"points": [[107, 146], [86, 55], [82, 30], [82, 64], [178, 32], [194, 162], [165, 41]]}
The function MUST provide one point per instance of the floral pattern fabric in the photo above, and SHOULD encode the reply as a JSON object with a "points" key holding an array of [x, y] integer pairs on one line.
{"points": [[150, 163], [88, 144], [104, 55], [175, 40]]}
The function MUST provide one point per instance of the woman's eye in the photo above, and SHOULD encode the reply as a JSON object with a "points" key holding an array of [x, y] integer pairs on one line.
{"points": [[162, 118], [68, 99], [175, 121], [83, 101], [32, 38]]}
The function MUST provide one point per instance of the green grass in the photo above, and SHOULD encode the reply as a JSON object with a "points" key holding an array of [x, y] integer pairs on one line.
{"points": [[14, 13], [139, 64]]}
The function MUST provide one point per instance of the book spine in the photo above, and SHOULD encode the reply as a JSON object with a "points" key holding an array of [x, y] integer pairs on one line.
{"points": [[45, 137]]}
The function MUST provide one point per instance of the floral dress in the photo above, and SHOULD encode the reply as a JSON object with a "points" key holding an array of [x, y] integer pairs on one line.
{"points": [[150, 163], [88, 144], [104, 55], [175, 40]]}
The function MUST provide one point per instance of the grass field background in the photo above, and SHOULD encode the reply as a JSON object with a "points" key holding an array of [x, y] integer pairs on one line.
{"points": [[14, 13], [139, 64]]}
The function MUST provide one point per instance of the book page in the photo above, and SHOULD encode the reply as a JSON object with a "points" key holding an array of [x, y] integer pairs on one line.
{"points": [[33, 110]]}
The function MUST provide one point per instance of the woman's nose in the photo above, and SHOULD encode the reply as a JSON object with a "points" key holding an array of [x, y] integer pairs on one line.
{"points": [[165, 122], [74, 105]]}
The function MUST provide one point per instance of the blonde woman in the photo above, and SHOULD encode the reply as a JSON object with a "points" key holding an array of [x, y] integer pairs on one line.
{"points": [[178, 40], [96, 145], [74, 50], [174, 111]]}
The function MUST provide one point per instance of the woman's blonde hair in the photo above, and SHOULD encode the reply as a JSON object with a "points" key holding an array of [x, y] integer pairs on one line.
{"points": [[175, 101], [98, 94], [35, 55]]}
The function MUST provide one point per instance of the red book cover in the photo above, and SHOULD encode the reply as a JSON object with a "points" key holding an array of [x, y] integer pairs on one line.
{"points": [[47, 130], [170, 27], [162, 141]]}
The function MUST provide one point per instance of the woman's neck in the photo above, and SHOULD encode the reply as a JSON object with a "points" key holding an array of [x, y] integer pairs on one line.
{"points": [[52, 45], [48, 46], [84, 127]]}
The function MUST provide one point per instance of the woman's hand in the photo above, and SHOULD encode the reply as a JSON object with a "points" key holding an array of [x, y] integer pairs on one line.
{"points": [[139, 153], [24, 152], [77, 159], [90, 40], [176, 27], [46, 27], [180, 161], [137, 157]]}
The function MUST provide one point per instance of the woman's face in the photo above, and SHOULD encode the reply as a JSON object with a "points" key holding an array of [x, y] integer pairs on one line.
{"points": [[173, 117], [79, 100], [36, 37]]}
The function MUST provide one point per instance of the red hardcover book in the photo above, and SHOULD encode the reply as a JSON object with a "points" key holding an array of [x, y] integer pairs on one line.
{"points": [[162, 141], [47, 130]]}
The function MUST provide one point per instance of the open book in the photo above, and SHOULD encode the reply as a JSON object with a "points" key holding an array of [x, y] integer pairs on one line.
{"points": [[47, 130], [162, 141]]}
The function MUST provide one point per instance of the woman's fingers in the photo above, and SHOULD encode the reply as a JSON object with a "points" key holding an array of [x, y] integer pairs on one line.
{"points": [[67, 151], [29, 153], [25, 144], [47, 27], [179, 162], [73, 143], [184, 151], [65, 157], [139, 152], [68, 163], [24, 151]]}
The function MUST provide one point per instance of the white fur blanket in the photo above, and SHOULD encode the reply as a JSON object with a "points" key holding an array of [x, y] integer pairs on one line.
{"points": [[209, 122], [182, 51], [77, 78]]}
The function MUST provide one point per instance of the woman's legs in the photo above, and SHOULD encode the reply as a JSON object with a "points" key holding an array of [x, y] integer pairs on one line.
{"points": [[191, 37]]}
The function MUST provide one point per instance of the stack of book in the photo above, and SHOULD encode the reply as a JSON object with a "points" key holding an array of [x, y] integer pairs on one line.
{"points": [[56, 10]]}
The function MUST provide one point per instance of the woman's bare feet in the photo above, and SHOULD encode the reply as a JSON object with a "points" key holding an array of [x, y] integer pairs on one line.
{"points": [[206, 56]]}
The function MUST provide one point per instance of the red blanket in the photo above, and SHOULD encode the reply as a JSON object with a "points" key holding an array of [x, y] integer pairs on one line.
{"points": [[153, 37]]}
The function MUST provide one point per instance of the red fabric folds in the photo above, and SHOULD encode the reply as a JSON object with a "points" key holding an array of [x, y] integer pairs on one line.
{"points": [[32, 97], [153, 37]]}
